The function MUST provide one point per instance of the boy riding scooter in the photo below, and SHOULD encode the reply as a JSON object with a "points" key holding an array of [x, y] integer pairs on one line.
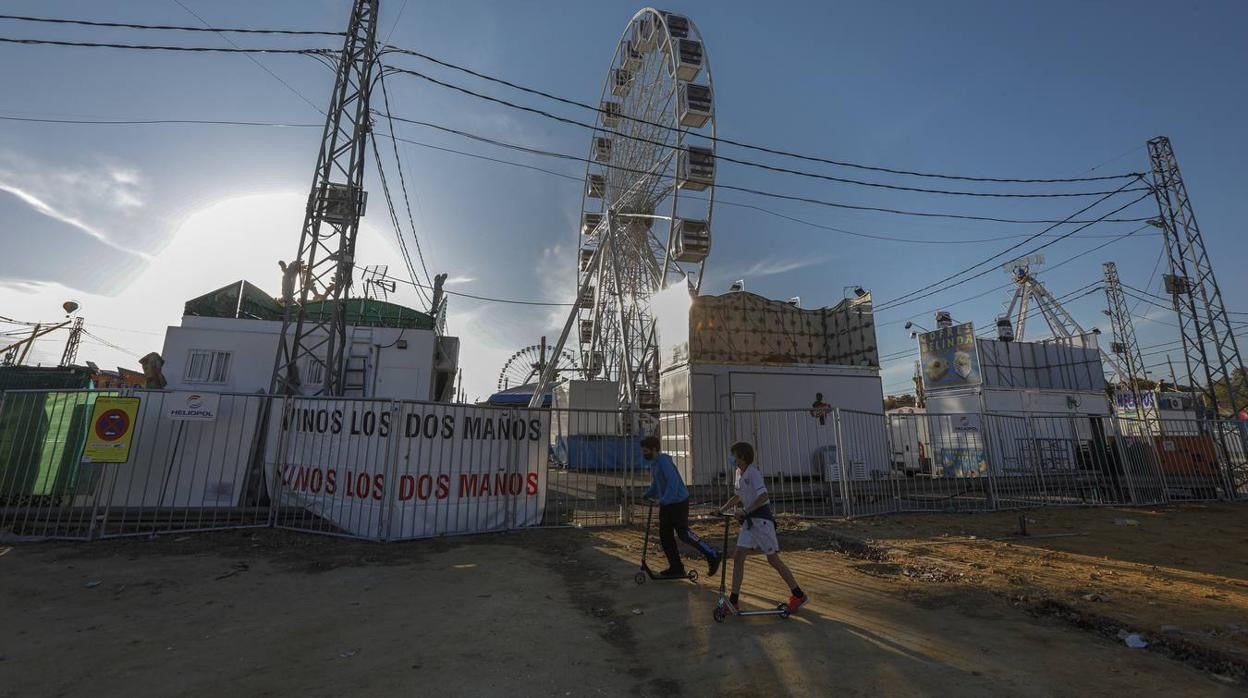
{"points": [[758, 529], [668, 489]]}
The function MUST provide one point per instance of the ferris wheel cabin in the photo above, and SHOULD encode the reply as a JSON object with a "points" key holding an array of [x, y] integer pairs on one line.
{"points": [[610, 111], [621, 82], [595, 186], [602, 149], [587, 331], [687, 59], [694, 104], [677, 25], [631, 57], [645, 33], [695, 170], [590, 223], [692, 241], [587, 256]]}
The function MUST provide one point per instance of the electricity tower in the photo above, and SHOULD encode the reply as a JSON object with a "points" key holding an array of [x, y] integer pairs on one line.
{"points": [[322, 271], [1127, 349], [70, 355], [1209, 346]]}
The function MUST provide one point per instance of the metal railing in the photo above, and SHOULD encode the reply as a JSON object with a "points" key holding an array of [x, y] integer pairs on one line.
{"points": [[390, 470]]}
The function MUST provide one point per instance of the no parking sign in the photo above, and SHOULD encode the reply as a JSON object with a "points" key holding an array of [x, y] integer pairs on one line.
{"points": [[110, 429]]}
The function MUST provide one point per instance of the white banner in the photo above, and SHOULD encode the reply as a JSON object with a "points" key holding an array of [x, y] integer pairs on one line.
{"points": [[390, 470], [187, 406]]}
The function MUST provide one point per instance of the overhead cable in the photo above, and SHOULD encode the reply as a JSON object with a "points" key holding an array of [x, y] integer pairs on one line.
{"points": [[748, 163], [750, 146], [153, 47], [764, 193], [167, 27], [913, 295]]}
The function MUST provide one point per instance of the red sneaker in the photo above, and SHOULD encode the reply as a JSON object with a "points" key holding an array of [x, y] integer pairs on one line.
{"points": [[796, 603], [726, 606]]}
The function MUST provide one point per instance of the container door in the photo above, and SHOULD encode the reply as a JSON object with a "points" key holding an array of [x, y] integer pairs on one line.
{"points": [[745, 419]]}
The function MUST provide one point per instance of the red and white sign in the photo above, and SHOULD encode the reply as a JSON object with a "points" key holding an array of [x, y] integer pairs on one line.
{"points": [[389, 470]]}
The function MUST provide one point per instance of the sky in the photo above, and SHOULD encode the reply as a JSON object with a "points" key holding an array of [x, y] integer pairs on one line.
{"points": [[132, 220]]}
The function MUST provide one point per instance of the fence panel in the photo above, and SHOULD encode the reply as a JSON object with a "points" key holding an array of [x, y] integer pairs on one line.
{"points": [[44, 490], [386, 470]]}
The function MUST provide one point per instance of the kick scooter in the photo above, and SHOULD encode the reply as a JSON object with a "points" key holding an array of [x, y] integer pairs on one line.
{"points": [[721, 611], [640, 577]]}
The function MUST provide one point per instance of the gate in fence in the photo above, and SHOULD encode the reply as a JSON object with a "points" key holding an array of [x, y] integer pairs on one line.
{"points": [[392, 470]]}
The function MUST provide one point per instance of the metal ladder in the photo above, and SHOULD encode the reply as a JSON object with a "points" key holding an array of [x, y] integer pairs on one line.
{"points": [[359, 359]]}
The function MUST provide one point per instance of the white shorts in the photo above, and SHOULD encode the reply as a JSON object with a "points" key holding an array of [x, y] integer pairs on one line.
{"points": [[761, 536]]}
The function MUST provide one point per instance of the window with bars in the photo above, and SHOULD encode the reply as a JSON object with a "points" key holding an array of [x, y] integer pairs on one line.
{"points": [[207, 366]]}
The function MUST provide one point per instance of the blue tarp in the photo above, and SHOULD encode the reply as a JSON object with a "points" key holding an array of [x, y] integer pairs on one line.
{"points": [[597, 452], [518, 396]]}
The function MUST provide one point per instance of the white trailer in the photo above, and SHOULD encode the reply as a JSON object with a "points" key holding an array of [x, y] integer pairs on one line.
{"points": [[708, 407]]}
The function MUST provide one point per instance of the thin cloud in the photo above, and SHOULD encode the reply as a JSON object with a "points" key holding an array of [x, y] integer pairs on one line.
{"points": [[771, 267], [43, 208], [451, 281]]}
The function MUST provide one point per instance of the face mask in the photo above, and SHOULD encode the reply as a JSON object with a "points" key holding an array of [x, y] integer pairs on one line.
{"points": [[732, 461]]}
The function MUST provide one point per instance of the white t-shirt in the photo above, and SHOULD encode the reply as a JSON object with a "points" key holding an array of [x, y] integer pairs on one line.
{"points": [[749, 486]]}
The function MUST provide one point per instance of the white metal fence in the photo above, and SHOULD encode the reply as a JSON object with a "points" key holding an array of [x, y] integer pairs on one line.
{"points": [[388, 470]]}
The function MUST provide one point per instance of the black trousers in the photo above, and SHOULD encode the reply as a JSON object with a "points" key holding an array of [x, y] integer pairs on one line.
{"points": [[673, 524]]}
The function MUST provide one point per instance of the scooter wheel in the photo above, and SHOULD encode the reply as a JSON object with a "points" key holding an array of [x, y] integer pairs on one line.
{"points": [[640, 577], [718, 614], [784, 610], [693, 575]]}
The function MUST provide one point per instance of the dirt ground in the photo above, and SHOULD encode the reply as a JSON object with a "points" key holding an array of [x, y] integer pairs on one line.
{"points": [[900, 606]]}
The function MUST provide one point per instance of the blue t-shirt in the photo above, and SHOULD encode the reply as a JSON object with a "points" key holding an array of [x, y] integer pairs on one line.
{"points": [[665, 482]]}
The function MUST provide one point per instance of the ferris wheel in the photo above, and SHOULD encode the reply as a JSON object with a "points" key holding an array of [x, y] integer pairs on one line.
{"points": [[649, 193], [526, 365]]}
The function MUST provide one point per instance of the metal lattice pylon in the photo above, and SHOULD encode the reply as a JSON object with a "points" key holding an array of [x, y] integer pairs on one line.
{"points": [[1209, 345], [323, 269], [1127, 349], [70, 355]]}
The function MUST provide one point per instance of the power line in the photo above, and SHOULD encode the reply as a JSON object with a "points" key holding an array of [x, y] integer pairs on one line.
{"points": [[758, 192], [479, 298], [911, 297], [155, 47], [251, 58], [577, 158], [1152, 275], [154, 122], [535, 151], [167, 27], [1003, 287], [1034, 312], [110, 345], [749, 146], [398, 163], [738, 161], [394, 221]]}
